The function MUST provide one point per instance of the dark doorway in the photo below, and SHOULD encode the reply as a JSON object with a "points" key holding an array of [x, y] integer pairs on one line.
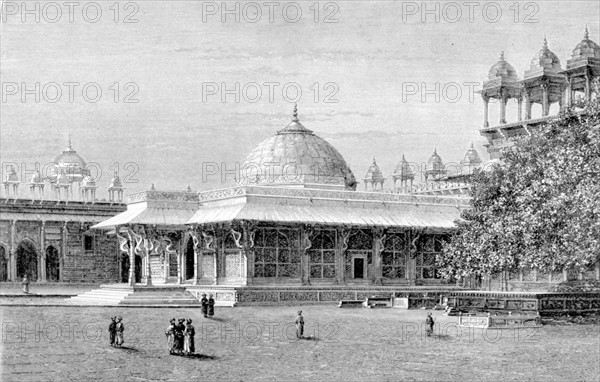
{"points": [[27, 261], [52, 265], [138, 269], [3, 265], [189, 260], [124, 268], [359, 268]]}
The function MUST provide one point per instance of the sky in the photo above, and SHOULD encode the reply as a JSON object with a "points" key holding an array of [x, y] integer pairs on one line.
{"points": [[378, 79]]}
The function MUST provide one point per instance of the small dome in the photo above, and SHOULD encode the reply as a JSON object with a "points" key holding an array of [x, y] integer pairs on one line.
{"points": [[403, 170], [374, 174], [471, 157], [12, 176], [36, 177], [503, 70], [586, 48], [546, 60], [116, 182], [295, 155], [70, 163], [88, 181], [434, 163]]}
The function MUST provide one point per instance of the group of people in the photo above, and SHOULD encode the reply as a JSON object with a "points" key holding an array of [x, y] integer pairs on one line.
{"points": [[115, 330], [208, 305], [180, 337]]}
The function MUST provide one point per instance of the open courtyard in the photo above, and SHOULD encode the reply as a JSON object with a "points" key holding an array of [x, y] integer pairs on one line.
{"points": [[259, 343]]}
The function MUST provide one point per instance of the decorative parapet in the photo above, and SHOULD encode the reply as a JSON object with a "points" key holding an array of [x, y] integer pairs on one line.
{"points": [[168, 196], [330, 195]]}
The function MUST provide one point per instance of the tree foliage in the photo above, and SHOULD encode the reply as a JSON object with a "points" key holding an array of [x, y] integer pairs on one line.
{"points": [[538, 209]]}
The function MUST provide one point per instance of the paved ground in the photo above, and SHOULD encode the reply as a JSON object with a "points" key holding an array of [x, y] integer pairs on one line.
{"points": [[258, 343]]}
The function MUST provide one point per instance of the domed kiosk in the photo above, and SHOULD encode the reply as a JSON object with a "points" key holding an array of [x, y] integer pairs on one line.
{"points": [[291, 229]]}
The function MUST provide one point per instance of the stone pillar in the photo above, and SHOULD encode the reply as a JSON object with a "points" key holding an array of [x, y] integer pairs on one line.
{"points": [[119, 257], [148, 262], [179, 261], [13, 253], [519, 111], [43, 276], [249, 232], [343, 235], [588, 85], [503, 100], [378, 248], [527, 105], [64, 249], [307, 233], [545, 100], [131, 250], [197, 253], [486, 104]]}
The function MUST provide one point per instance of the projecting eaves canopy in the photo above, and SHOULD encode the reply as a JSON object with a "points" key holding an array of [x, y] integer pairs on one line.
{"points": [[290, 205]]}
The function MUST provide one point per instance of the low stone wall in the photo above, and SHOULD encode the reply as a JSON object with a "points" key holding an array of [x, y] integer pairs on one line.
{"points": [[546, 304], [258, 295]]}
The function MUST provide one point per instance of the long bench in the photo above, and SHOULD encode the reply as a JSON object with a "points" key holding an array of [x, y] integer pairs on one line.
{"points": [[351, 303], [503, 321]]}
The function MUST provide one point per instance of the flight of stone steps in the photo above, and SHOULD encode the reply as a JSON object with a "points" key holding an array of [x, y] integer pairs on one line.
{"points": [[121, 295]]}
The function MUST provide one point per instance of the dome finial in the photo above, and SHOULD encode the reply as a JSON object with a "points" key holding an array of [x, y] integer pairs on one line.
{"points": [[69, 143], [545, 46], [374, 162], [586, 36], [152, 187], [502, 56], [472, 145], [295, 113]]}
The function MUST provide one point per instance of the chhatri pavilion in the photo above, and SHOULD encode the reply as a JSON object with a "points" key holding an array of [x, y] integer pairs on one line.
{"points": [[294, 219]]}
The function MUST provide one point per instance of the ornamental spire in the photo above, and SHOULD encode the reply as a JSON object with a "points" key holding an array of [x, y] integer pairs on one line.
{"points": [[502, 56], [586, 36], [545, 45], [295, 113]]}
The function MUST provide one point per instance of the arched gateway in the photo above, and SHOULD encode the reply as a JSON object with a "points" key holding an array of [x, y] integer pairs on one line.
{"points": [[27, 260]]}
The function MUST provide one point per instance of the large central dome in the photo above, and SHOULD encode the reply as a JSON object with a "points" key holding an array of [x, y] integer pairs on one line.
{"points": [[295, 156]]}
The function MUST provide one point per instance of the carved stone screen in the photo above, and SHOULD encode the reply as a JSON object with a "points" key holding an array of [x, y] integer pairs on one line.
{"points": [[322, 255], [277, 253]]}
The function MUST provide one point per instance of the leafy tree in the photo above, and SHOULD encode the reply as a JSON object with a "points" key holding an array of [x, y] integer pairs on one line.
{"points": [[538, 209]]}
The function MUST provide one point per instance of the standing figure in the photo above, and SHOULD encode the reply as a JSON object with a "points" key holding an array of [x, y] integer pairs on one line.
{"points": [[179, 328], [299, 325], [25, 283], [119, 328], [170, 333], [211, 305], [429, 322], [112, 331], [204, 302], [189, 333]]}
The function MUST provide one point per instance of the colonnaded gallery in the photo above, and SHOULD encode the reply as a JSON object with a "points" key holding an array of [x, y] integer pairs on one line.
{"points": [[285, 226]]}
